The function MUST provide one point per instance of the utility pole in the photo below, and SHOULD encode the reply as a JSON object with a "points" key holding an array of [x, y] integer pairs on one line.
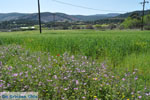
{"points": [[39, 16], [143, 13]]}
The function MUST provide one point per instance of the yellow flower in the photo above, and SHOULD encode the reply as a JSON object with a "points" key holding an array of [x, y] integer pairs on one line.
{"points": [[95, 79], [123, 96], [128, 99], [21, 80], [95, 96]]}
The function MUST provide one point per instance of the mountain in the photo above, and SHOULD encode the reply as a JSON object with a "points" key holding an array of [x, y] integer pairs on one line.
{"points": [[48, 17], [10, 16], [95, 17], [128, 14]]}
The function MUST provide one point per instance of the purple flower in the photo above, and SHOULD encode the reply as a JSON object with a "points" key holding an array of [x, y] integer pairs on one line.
{"points": [[133, 72], [49, 80], [10, 68], [83, 97], [75, 88], [30, 66], [77, 82], [105, 75], [123, 79], [16, 74], [1, 85], [72, 57], [0, 63], [21, 73], [65, 89], [146, 94], [55, 76], [136, 78], [140, 97], [83, 71]]}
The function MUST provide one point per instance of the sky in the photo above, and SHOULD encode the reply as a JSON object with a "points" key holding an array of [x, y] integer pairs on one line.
{"points": [[113, 6]]}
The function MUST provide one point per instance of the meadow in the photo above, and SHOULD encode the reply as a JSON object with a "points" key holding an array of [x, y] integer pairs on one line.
{"points": [[105, 65]]}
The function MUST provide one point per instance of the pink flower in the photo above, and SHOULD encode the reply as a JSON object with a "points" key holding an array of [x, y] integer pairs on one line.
{"points": [[1, 85], [16, 74], [55, 76], [123, 79], [77, 82], [75, 88], [140, 97], [83, 97]]}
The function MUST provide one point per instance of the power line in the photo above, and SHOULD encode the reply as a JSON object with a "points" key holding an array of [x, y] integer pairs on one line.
{"points": [[83, 7]]}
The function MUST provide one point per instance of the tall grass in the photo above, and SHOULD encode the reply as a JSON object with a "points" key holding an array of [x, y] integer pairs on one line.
{"points": [[114, 46]]}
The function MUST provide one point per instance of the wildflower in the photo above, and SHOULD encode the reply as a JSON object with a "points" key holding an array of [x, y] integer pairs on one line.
{"points": [[10, 68], [21, 80], [77, 82], [123, 96], [83, 97], [95, 79], [72, 57], [136, 78], [138, 91], [30, 66], [49, 80], [105, 75], [128, 99], [75, 88], [146, 94], [95, 96], [58, 55], [65, 89], [16, 74], [83, 71], [55, 76], [1, 85], [140, 97], [0, 63], [123, 79], [8, 85], [21, 73], [132, 93]]}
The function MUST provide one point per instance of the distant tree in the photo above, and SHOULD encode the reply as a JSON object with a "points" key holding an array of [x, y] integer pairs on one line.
{"points": [[135, 16], [131, 23], [75, 27], [147, 22], [112, 26], [89, 26], [97, 26]]}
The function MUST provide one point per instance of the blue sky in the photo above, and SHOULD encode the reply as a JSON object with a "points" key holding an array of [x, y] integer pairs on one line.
{"points": [[30, 6]]}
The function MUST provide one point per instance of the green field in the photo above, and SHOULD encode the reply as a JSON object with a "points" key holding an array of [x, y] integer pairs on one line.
{"points": [[120, 50], [130, 48]]}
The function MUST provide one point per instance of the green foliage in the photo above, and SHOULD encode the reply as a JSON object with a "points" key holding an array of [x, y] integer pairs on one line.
{"points": [[98, 26], [131, 23], [147, 22], [89, 26], [67, 77]]}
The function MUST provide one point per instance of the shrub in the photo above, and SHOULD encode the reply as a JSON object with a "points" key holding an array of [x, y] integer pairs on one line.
{"points": [[89, 26]]}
